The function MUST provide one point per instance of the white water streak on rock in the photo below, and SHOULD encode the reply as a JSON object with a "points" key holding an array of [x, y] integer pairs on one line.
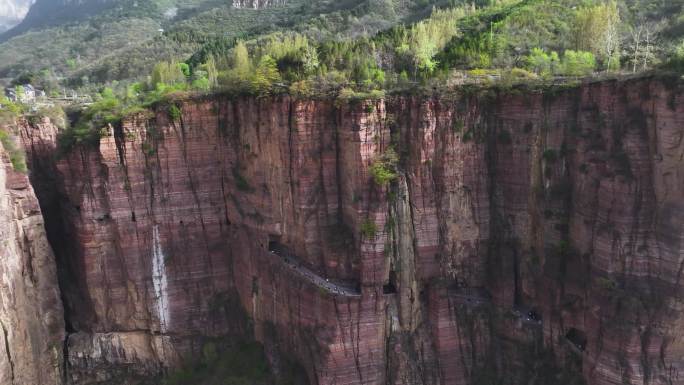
{"points": [[160, 281]]}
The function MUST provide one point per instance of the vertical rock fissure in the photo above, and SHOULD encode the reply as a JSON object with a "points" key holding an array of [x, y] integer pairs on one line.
{"points": [[150, 145], [65, 357], [356, 340], [291, 154], [8, 351], [193, 188], [497, 228], [322, 139], [338, 164]]}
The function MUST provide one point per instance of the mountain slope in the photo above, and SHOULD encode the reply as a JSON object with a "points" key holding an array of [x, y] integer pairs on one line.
{"points": [[54, 12], [12, 12], [121, 40]]}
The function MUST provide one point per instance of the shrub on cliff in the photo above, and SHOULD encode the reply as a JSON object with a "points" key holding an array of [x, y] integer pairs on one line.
{"points": [[346, 95], [381, 173], [368, 229], [384, 169], [8, 109], [550, 155], [56, 115], [174, 112], [16, 154], [81, 133], [240, 182], [93, 121]]}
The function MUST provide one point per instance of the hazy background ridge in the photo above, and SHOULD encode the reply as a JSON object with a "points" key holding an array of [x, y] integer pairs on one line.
{"points": [[12, 12]]}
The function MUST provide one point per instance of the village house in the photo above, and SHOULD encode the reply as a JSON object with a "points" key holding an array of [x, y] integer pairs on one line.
{"points": [[24, 93]]}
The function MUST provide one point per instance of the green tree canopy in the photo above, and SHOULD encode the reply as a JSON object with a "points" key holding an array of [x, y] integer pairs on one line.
{"points": [[596, 30], [542, 63], [578, 63], [166, 73], [265, 75]]}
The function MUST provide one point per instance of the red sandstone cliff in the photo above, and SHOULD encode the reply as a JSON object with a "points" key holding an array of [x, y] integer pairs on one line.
{"points": [[565, 204], [31, 318]]}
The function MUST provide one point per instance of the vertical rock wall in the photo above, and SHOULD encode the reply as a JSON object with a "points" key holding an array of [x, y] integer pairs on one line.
{"points": [[31, 318], [529, 236]]}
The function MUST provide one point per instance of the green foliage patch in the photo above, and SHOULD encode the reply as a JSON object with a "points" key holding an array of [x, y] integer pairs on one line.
{"points": [[550, 155], [368, 229], [384, 169], [240, 182], [174, 113], [334, 49], [242, 363], [15, 152]]}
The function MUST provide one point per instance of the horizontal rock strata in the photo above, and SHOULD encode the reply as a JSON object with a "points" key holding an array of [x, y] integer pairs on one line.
{"points": [[564, 206]]}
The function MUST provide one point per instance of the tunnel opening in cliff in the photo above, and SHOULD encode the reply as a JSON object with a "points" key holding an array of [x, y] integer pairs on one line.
{"points": [[578, 338], [391, 286]]}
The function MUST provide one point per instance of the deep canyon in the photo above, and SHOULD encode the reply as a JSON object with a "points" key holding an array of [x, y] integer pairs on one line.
{"points": [[529, 237]]}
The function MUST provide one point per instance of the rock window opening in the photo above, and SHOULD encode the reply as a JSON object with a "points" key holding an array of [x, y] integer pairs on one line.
{"points": [[391, 286], [577, 337], [532, 315], [274, 245]]}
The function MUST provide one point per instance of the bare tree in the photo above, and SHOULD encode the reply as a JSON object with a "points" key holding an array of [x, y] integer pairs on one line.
{"points": [[643, 43], [597, 29], [635, 33], [611, 33], [652, 32]]}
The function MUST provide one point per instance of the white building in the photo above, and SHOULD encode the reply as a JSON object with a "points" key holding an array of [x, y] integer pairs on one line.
{"points": [[25, 93]]}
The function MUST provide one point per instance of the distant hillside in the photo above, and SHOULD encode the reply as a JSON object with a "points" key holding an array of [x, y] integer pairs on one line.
{"points": [[54, 12], [88, 43], [91, 42], [12, 12]]}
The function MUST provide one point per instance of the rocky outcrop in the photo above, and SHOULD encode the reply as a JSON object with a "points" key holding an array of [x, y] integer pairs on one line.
{"points": [[31, 317], [528, 237], [121, 357]]}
